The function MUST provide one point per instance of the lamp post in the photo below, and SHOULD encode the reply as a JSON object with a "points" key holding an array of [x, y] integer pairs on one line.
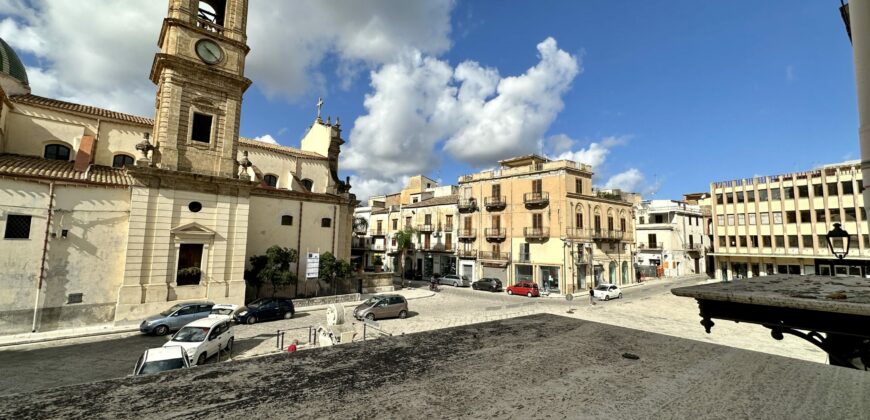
{"points": [[838, 241]]}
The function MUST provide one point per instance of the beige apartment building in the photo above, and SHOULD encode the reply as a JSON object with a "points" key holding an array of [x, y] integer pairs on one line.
{"points": [[534, 219], [670, 238], [778, 224]]}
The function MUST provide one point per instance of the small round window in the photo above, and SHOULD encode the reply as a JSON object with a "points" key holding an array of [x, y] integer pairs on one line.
{"points": [[194, 206]]}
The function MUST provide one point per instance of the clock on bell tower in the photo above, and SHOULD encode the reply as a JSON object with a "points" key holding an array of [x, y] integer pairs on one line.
{"points": [[199, 73]]}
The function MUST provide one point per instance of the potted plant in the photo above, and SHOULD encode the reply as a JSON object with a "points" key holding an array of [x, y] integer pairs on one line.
{"points": [[189, 275], [379, 264]]}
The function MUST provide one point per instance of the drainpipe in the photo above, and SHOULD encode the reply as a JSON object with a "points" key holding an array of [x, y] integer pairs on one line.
{"points": [[44, 253], [859, 18]]}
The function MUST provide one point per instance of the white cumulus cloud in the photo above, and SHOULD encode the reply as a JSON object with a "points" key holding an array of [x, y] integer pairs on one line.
{"points": [[267, 138], [631, 180]]}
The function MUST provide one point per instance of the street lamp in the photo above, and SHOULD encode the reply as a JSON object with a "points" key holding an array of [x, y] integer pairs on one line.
{"points": [[838, 242]]}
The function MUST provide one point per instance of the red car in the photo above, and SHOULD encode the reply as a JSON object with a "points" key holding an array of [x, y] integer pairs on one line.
{"points": [[524, 288]]}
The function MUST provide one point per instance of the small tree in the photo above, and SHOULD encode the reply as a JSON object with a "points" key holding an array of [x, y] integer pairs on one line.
{"points": [[360, 225], [332, 269], [404, 242], [252, 275], [276, 269]]}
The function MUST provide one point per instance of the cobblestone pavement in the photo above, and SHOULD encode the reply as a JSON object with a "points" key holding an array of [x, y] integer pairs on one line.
{"points": [[649, 307]]}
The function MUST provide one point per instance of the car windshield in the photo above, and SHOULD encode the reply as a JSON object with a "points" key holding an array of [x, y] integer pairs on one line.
{"points": [[372, 301], [191, 334], [256, 303], [222, 311], [601, 288], [172, 309], [162, 366]]}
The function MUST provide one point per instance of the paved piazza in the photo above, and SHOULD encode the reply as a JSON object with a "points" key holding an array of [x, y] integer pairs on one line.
{"points": [[649, 307]]}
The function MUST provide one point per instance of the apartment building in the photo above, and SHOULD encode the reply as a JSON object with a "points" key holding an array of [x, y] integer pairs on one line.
{"points": [[540, 220], [705, 202], [778, 224], [670, 238]]}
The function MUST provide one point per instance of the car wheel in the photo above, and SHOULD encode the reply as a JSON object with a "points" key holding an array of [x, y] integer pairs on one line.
{"points": [[252, 320], [510, 292], [455, 284], [370, 316], [529, 294], [201, 360], [161, 330], [606, 297], [229, 347], [473, 286], [288, 315], [403, 314], [620, 295]]}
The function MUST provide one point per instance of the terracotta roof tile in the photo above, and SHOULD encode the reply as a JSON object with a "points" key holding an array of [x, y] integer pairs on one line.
{"points": [[34, 167], [435, 201], [244, 141], [82, 109]]}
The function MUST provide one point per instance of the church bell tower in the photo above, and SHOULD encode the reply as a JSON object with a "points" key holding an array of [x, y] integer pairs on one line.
{"points": [[200, 78]]}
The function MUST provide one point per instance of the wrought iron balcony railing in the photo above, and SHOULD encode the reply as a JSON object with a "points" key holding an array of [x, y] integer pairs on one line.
{"points": [[467, 233], [495, 233], [536, 232], [467, 205], [536, 198], [494, 256], [494, 203]]}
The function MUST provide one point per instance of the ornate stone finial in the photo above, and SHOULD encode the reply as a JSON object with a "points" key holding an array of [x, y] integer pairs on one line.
{"points": [[329, 120], [337, 122], [319, 107], [145, 146]]}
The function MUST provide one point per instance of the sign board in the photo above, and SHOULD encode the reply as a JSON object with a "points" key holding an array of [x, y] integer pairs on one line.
{"points": [[312, 265]]}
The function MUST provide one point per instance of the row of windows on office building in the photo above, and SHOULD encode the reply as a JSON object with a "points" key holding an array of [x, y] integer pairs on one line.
{"points": [[802, 191], [791, 217], [783, 241]]}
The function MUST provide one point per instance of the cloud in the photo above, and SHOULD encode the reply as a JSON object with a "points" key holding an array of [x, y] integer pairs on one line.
{"points": [[631, 180], [365, 188], [420, 102], [266, 139], [560, 143], [107, 64], [594, 155]]}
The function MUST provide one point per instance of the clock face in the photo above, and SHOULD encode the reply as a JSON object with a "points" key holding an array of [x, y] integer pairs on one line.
{"points": [[209, 51]]}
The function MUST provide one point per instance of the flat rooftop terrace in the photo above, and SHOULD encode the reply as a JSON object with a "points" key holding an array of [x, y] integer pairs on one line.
{"points": [[539, 366]]}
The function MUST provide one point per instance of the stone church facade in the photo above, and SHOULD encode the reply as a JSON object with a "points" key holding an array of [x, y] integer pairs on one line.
{"points": [[107, 217]]}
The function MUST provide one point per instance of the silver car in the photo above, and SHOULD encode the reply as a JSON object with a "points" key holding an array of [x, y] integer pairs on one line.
{"points": [[175, 317], [382, 306], [455, 280]]}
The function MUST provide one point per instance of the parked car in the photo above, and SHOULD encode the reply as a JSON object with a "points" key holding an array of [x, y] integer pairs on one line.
{"points": [[175, 317], [607, 292], [204, 338], [454, 280], [382, 306], [223, 310], [265, 309], [487, 283], [161, 359], [524, 288]]}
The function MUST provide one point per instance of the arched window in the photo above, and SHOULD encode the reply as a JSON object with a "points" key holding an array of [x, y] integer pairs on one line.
{"points": [[308, 184], [56, 152], [625, 278], [212, 11], [612, 272], [271, 180], [120, 161]]}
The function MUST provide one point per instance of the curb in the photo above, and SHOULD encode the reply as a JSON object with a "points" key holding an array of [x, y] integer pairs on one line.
{"points": [[67, 337]]}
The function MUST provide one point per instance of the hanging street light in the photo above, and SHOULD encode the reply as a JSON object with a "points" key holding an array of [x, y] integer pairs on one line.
{"points": [[838, 242]]}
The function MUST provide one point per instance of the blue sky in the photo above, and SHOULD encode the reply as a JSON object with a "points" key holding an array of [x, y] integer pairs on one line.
{"points": [[673, 94]]}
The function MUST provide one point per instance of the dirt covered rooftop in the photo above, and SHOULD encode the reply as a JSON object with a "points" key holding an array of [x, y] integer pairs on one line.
{"points": [[540, 366]]}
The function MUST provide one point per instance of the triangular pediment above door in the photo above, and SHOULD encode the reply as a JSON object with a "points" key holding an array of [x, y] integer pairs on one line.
{"points": [[193, 230]]}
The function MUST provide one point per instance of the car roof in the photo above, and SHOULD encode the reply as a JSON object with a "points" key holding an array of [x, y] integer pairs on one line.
{"points": [[607, 284], [206, 322], [196, 303], [164, 353], [225, 306], [387, 295]]}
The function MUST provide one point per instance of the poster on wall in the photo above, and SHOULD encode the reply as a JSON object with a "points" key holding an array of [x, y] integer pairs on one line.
{"points": [[312, 266]]}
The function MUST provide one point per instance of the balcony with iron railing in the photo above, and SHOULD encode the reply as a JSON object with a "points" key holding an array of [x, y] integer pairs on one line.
{"points": [[608, 235], [650, 246], [467, 233], [377, 247], [495, 233], [426, 228], [359, 244], [448, 228], [494, 256], [466, 253], [694, 248], [579, 234], [495, 203], [377, 233], [536, 232], [536, 199], [467, 205]]}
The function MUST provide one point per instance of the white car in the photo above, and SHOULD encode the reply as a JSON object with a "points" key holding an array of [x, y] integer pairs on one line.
{"points": [[204, 338], [607, 292], [161, 359], [223, 311], [455, 280]]}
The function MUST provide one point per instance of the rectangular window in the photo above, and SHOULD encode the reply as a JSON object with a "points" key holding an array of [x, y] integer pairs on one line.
{"points": [[803, 191], [395, 224], [578, 185], [536, 186], [751, 218], [730, 220], [732, 241], [622, 225], [326, 222], [720, 220], [719, 199], [743, 241], [793, 241], [17, 227], [407, 222], [808, 241], [765, 240], [818, 190], [850, 215], [288, 221], [860, 186], [768, 268], [847, 187], [788, 192], [189, 264], [750, 196], [496, 191], [805, 216], [777, 218], [448, 222], [835, 216], [609, 223], [765, 218], [741, 219], [791, 217], [740, 196], [820, 216], [537, 220], [832, 188], [448, 241], [729, 198], [774, 194], [780, 241], [721, 241], [754, 240], [201, 128], [762, 195]]}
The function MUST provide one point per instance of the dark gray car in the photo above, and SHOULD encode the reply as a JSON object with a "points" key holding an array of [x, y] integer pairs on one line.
{"points": [[382, 306], [175, 317]]}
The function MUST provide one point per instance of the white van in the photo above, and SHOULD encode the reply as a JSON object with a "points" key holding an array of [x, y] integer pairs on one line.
{"points": [[204, 338]]}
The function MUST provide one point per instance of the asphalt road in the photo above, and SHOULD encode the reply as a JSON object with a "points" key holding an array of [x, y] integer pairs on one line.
{"points": [[34, 368]]}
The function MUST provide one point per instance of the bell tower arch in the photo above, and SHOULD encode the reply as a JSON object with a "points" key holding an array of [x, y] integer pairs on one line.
{"points": [[200, 78]]}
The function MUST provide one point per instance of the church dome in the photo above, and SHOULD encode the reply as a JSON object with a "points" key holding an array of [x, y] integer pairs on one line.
{"points": [[13, 76]]}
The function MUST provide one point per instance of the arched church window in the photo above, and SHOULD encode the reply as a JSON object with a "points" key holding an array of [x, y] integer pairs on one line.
{"points": [[212, 11], [120, 161], [308, 184], [56, 152], [271, 181]]}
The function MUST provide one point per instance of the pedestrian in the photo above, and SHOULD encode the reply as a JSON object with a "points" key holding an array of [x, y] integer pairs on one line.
{"points": [[592, 296], [292, 347]]}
